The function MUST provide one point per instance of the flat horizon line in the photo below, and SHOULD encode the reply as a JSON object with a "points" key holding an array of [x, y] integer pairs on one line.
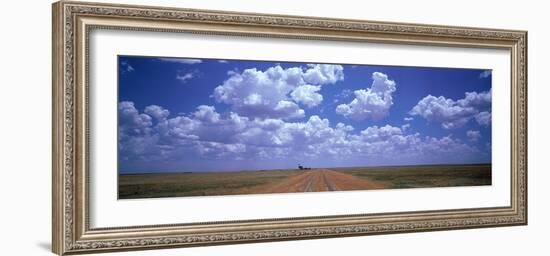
{"points": [[261, 170]]}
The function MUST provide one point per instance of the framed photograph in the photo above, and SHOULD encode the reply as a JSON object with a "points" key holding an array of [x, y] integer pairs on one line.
{"points": [[179, 127]]}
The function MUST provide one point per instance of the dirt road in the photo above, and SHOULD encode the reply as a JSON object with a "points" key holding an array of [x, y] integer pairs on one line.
{"points": [[318, 180]]}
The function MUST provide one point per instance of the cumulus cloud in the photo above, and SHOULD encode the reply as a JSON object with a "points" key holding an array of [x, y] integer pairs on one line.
{"points": [[136, 135], [257, 93], [383, 143], [484, 118], [454, 114], [473, 135], [323, 74], [276, 92], [178, 130], [307, 94], [131, 121], [157, 112], [371, 103], [287, 109], [375, 133], [205, 133], [474, 99], [207, 114], [181, 60], [443, 110], [408, 119]]}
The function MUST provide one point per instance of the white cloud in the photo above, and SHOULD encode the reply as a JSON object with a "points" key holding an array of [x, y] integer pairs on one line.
{"points": [[371, 103], [474, 99], [186, 77], [136, 137], [485, 74], [265, 94], [307, 94], [384, 143], [178, 130], [207, 114], [375, 133], [181, 60], [223, 61], [450, 113], [323, 74], [157, 112], [287, 109], [483, 118], [473, 135], [445, 146], [131, 121], [408, 119], [257, 93], [208, 134], [443, 110]]}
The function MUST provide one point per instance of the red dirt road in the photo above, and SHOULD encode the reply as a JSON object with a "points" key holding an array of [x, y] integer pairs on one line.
{"points": [[318, 180]]}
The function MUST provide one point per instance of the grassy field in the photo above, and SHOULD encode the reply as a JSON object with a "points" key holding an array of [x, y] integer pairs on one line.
{"points": [[425, 175], [195, 184], [284, 181]]}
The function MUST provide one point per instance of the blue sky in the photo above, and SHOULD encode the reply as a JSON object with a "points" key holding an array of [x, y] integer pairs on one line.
{"points": [[178, 114]]}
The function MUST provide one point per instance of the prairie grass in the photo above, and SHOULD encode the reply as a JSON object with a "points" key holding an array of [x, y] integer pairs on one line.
{"points": [[254, 182], [421, 176]]}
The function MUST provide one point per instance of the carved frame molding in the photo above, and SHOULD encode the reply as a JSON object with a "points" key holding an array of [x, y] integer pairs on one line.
{"points": [[72, 22]]}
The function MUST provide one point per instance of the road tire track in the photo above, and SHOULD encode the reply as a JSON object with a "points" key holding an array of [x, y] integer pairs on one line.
{"points": [[329, 184], [309, 186]]}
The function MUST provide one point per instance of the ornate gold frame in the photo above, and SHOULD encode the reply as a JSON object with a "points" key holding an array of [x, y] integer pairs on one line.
{"points": [[72, 21]]}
